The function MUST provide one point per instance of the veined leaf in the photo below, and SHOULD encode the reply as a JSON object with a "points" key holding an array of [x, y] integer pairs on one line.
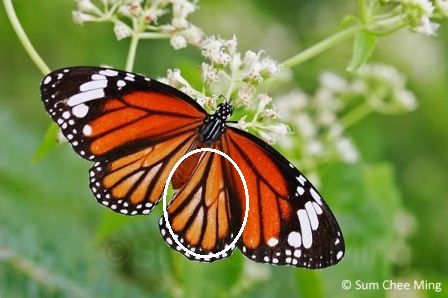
{"points": [[363, 47]]}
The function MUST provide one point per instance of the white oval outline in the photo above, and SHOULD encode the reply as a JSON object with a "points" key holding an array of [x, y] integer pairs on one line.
{"points": [[165, 212]]}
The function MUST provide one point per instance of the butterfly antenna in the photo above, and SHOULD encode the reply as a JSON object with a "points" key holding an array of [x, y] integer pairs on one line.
{"points": [[225, 98]]}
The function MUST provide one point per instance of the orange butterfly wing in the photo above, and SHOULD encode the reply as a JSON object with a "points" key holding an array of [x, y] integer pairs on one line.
{"points": [[134, 128], [199, 213], [287, 219]]}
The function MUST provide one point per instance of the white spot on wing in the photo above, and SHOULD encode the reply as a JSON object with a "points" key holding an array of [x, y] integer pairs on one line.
{"points": [[98, 77], [312, 215], [307, 236], [339, 255], [92, 85], [87, 130], [47, 80], [121, 83], [80, 111], [272, 242], [300, 190], [85, 96], [108, 72], [129, 77], [301, 179], [316, 196], [317, 208], [294, 239], [66, 115]]}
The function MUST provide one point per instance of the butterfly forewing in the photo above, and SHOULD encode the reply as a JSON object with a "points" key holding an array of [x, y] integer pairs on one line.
{"points": [[134, 128], [106, 113]]}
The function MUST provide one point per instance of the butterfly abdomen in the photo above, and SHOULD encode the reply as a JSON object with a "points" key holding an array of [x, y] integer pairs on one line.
{"points": [[211, 130]]}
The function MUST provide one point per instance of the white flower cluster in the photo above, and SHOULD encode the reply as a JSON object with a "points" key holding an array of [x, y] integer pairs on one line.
{"points": [[236, 76], [442, 7], [418, 14], [318, 120], [316, 128], [242, 72], [385, 89], [143, 16]]}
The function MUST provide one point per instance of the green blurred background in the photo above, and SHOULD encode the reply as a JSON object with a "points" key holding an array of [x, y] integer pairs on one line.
{"points": [[56, 241]]}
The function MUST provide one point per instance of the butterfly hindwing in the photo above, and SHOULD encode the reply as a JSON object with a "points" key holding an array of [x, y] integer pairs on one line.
{"points": [[134, 183], [199, 212], [288, 223]]}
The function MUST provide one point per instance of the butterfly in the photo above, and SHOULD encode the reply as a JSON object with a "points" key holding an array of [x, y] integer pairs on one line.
{"points": [[135, 129]]}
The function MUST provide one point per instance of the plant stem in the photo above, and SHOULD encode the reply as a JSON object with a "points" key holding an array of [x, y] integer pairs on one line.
{"points": [[153, 35], [322, 46], [15, 23], [356, 115], [39, 274], [363, 15], [136, 36], [132, 51]]}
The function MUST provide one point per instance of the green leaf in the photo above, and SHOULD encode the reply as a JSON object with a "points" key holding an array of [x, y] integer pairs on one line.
{"points": [[49, 143], [363, 47]]}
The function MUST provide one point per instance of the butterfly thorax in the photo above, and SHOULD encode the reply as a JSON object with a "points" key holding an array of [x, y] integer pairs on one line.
{"points": [[214, 125]]}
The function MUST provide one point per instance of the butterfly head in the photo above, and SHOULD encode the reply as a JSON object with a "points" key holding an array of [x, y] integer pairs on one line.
{"points": [[224, 111]]}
